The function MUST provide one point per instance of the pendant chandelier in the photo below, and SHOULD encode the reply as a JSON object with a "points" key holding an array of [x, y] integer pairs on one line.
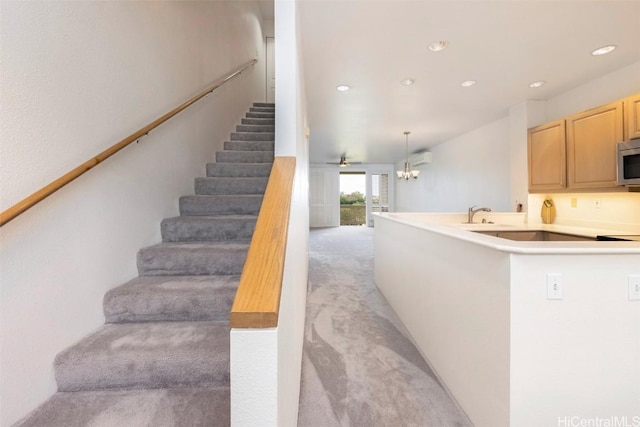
{"points": [[407, 173]]}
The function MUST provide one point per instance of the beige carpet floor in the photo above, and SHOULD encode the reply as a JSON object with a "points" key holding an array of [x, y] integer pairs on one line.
{"points": [[359, 366]]}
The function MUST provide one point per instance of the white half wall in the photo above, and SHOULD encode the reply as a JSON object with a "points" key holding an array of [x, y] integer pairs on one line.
{"points": [[458, 317], [278, 351], [575, 358], [76, 78], [472, 169]]}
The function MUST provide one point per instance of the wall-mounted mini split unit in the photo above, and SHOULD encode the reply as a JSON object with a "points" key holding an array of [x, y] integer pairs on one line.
{"points": [[421, 158]]}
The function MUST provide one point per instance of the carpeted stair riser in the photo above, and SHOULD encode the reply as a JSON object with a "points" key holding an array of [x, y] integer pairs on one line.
{"points": [[249, 145], [147, 355], [192, 259], [268, 122], [111, 408], [238, 169], [207, 228], [261, 115], [220, 205], [244, 157], [244, 185], [252, 136], [255, 128], [171, 299]]}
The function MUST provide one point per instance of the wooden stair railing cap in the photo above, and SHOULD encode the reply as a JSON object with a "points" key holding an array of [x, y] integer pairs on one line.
{"points": [[257, 300]]}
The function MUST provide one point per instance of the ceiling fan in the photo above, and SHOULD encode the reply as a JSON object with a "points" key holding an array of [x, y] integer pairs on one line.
{"points": [[343, 162]]}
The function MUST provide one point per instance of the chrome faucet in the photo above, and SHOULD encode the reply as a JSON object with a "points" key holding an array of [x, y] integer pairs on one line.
{"points": [[471, 212]]}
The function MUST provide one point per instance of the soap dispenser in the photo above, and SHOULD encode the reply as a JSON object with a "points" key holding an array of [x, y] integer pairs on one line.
{"points": [[548, 211]]}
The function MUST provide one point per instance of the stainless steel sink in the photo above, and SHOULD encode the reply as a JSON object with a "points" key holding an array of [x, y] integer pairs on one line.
{"points": [[534, 235]]}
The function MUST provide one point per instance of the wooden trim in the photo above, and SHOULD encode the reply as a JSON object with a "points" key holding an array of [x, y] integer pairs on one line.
{"points": [[54, 186], [257, 300]]}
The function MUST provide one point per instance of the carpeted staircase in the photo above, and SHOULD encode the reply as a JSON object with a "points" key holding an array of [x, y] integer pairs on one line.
{"points": [[162, 358]]}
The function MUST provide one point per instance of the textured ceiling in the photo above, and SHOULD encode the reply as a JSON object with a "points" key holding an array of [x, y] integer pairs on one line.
{"points": [[504, 45]]}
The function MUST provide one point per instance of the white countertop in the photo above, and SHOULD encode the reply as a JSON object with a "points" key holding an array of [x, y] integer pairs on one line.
{"points": [[453, 225]]}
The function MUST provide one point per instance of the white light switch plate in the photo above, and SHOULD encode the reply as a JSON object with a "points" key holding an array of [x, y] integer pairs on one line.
{"points": [[634, 287], [554, 286]]}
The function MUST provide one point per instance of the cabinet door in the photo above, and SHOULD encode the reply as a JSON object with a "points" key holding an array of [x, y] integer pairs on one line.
{"points": [[632, 111], [547, 161], [591, 146]]}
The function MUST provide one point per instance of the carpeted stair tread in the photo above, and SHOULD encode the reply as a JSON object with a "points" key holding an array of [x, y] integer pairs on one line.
{"points": [[252, 136], [247, 204], [264, 104], [205, 407], [208, 228], [252, 115], [225, 185], [255, 128], [236, 156], [171, 298], [192, 259], [257, 121], [238, 169], [147, 355], [249, 145]]}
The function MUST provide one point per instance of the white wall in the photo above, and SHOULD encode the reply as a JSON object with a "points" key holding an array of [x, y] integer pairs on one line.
{"points": [[296, 269], [471, 169], [77, 77], [575, 357], [521, 117], [608, 88], [274, 398]]}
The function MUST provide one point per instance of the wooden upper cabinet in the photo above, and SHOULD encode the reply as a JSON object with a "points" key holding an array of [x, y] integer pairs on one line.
{"points": [[591, 146], [632, 112], [546, 153]]}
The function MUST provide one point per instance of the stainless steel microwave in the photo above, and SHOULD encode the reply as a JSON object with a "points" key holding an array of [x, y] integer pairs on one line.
{"points": [[629, 162]]}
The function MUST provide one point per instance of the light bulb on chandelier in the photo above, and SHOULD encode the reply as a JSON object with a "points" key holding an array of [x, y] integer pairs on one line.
{"points": [[407, 173]]}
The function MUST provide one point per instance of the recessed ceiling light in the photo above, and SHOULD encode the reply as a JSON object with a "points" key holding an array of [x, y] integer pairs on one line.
{"points": [[468, 83], [438, 46], [603, 50], [537, 84], [343, 88], [407, 82]]}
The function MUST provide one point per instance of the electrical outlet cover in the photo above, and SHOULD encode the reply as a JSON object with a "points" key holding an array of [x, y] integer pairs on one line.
{"points": [[554, 286]]}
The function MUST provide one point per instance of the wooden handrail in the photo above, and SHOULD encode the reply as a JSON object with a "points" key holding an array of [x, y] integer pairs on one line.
{"points": [[54, 186], [257, 300]]}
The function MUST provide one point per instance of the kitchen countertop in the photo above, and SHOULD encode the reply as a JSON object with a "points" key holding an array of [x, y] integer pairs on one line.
{"points": [[453, 225]]}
